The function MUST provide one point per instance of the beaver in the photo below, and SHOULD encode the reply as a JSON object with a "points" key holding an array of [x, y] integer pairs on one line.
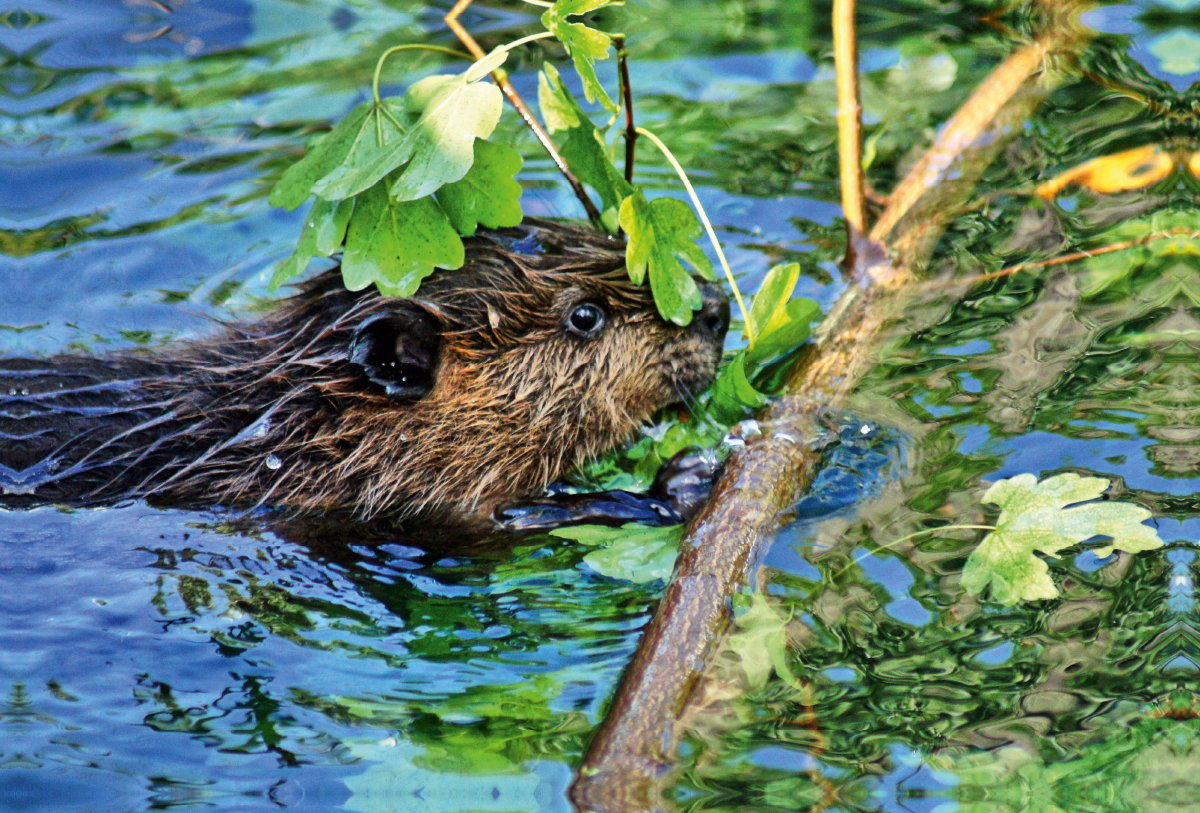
{"points": [[492, 382]]}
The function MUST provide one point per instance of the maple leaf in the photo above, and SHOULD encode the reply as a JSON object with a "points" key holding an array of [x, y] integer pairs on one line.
{"points": [[585, 45], [660, 232], [488, 193], [322, 235], [761, 643], [396, 244], [1034, 517], [633, 553]]}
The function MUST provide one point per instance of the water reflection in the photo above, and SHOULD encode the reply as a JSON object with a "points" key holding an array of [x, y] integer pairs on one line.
{"points": [[1058, 332], [152, 659]]}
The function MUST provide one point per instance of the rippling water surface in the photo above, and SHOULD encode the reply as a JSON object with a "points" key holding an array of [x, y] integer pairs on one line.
{"points": [[153, 658]]}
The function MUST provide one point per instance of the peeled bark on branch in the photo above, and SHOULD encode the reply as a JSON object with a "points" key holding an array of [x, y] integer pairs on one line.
{"points": [[633, 751]]}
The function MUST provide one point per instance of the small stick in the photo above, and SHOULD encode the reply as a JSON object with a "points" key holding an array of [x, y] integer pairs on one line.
{"points": [[1081, 255], [631, 132], [501, 80], [849, 122]]}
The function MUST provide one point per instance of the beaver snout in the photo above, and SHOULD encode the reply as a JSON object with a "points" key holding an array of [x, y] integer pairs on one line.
{"points": [[713, 317]]}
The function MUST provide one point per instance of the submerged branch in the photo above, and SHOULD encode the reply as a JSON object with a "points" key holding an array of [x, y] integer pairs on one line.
{"points": [[633, 752], [510, 93]]}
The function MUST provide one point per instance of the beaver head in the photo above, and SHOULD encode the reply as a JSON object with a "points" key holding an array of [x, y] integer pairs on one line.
{"points": [[498, 378], [493, 381]]}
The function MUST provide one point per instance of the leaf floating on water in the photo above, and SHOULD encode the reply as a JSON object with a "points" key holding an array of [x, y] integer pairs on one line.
{"points": [[488, 193], [1034, 518], [761, 643], [660, 233], [357, 140], [396, 244], [585, 45], [633, 553]]}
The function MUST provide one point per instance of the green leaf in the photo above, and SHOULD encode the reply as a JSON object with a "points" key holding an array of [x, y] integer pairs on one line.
{"points": [[584, 149], [585, 45], [396, 244], [660, 232], [780, 322], [455, 110], [488, 193], [768, 309], [437, 149], [1034, 517], [761, 643], [732, 393], [322, 235], [358, 139], [633, 553]]}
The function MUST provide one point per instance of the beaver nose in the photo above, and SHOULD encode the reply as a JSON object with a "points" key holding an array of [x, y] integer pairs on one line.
{"points": [[713, 316]]}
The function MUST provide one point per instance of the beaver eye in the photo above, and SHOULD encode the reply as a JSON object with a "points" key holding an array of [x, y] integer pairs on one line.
{"points": [[586, 320]]}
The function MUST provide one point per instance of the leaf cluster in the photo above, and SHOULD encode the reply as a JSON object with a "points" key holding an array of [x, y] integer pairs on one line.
{"points": [[402, 180]]}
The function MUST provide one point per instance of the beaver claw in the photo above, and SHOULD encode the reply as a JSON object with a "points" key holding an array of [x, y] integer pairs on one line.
{"points": [[678, 491]]}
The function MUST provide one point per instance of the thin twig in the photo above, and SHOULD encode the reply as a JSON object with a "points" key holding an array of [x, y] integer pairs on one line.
{"points": [[1080, 255], [437, 49], [712, 235], [849, 121], [631, 133], [510, 93]]}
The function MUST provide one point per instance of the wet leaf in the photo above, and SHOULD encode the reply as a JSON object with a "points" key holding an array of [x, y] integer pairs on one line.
{"points": [[366, 132], [584, 149], [322, 235], [761, 642], [660, 233], [488, 193], [633, 553], [1033, 518], [585, 45], [396, 244]]}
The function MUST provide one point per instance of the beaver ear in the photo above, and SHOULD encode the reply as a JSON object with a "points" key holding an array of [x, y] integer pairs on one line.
{"points": [[398, 351]]}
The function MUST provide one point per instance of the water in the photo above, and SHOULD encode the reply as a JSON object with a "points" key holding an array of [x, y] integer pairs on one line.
{"points": [[153, 658]]}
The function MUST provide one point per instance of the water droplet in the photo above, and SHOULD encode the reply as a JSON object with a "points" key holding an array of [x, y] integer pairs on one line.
{"points": [[260, 431], [403, 436], [273, 462]]}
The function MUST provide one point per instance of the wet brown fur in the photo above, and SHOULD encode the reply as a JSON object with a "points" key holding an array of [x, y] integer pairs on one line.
{"points": [[516, 402]]}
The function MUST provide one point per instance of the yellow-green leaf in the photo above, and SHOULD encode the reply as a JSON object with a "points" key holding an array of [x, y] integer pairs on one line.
{"points": [[584, 149], [322, 235], [1034, 517], [358, 139]]}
